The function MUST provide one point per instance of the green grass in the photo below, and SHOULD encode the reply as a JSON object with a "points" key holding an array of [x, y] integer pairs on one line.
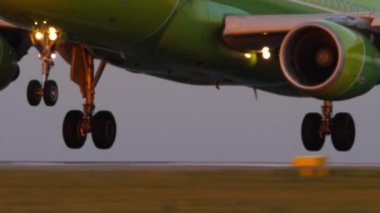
{"points": [[169, 190]]}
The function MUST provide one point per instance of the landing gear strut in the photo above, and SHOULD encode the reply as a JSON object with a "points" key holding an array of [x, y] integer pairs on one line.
{"points": [[316, 127], [78, 124], [45, 38]]}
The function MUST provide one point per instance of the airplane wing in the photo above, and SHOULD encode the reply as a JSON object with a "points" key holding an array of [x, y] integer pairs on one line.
{"points": [[251, 32]]}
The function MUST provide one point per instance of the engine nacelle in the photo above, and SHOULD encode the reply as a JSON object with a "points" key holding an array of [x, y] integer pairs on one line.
{"points": [[329, 61], [9, 70]]}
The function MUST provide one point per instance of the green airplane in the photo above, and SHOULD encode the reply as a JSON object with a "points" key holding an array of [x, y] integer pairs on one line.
{"points": [[324, 49]]}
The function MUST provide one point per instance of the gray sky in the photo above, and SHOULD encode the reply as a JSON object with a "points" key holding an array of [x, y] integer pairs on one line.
{"points": [[160, 120]]}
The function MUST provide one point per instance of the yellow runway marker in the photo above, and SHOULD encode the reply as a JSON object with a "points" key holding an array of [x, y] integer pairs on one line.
{"points": [[311, 165]]}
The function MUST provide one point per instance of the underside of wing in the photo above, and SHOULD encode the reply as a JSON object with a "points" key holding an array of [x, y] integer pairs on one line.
{"points": [[251, 32]]}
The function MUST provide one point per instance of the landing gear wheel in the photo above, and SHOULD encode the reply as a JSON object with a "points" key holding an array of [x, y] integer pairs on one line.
{"points": [[343, 132], [50, 93], [103, 130], [72, 135], [311, 138], [34, 93]]}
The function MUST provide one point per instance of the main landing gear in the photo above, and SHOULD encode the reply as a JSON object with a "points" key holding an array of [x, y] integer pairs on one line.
{"points": [[45, 38], [78, 124], [316, 127]]}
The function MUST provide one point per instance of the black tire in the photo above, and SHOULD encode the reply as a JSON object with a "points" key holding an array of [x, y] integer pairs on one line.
{"points": [[33, 93], [311, 138], [104, 130], [71, 130], [343, 132], [50, 93]]}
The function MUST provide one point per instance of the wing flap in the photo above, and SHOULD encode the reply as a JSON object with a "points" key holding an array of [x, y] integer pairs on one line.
{"points": [[248, 32], [247, 25]]}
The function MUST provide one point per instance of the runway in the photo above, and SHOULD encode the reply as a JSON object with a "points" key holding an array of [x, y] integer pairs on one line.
{"points": [[165, 165], [114, 166], [183, 187]]}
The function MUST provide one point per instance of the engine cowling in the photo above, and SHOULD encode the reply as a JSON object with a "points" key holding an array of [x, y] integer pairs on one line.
{"points": [[9, 70], [329, 61]]}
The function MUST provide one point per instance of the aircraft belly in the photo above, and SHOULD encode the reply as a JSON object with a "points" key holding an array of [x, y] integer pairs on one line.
{"points": [[116, 23], [192, 45]]}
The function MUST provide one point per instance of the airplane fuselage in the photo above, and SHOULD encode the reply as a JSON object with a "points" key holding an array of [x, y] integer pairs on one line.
{"points": [[179, 40]]}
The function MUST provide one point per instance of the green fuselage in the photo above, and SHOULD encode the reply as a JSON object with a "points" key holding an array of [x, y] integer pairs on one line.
{"points": [[180, 40]]}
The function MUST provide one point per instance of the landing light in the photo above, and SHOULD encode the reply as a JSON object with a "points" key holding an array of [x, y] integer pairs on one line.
{"points": [[52, 34], [248, 55], [52, 30], [266, 53], [39, 36]]}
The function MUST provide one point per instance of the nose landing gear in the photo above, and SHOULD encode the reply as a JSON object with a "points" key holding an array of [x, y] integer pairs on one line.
{"points": [[45, 38], [77, 124], [316, 127]]}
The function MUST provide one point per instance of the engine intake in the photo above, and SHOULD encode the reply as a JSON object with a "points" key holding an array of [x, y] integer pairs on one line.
{"points": [[329, 61]]}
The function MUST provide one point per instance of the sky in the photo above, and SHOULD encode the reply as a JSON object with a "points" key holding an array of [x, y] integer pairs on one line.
{"points": [[159, 120]]}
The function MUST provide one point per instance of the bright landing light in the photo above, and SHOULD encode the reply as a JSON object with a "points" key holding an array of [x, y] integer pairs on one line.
{"points": [[266, 53], [53, 34], [39, 35], [248, 55], [52, 30]]}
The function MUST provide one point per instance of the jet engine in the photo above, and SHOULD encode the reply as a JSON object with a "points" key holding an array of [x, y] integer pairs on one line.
{"points": [[9, 70], [329, 61]]}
